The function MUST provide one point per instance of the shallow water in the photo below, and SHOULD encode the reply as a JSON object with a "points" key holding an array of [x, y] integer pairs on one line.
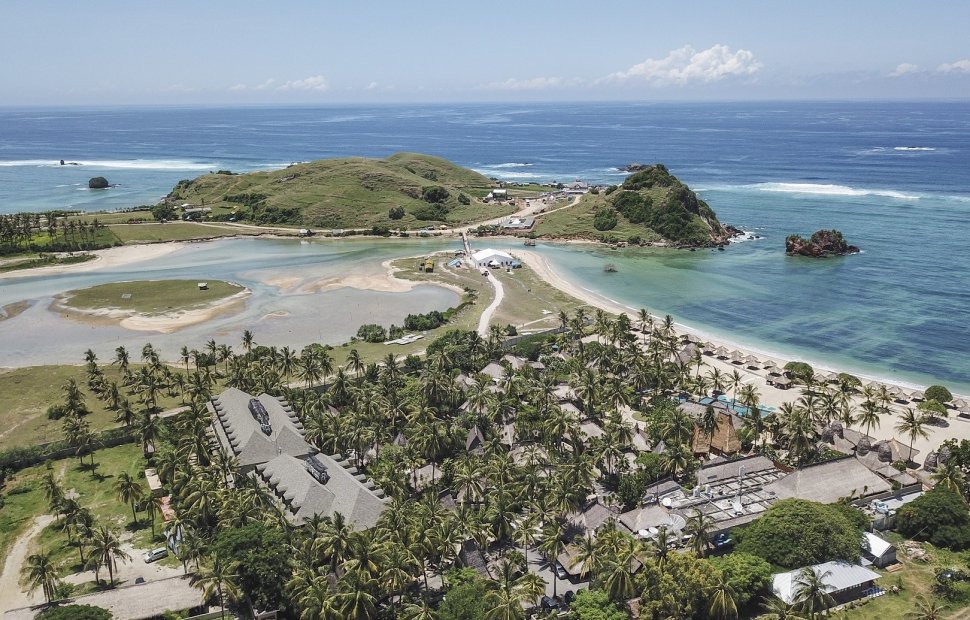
{"points": [[295, 319]]}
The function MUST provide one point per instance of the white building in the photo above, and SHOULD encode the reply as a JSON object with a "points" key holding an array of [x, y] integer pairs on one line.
{"points": [[492, 258]]}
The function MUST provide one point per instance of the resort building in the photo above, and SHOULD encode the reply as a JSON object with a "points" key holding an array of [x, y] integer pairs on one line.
{"points": [[266, 437], [878, 551], [492, 258], [323, 485], [844, 582], [256, 429]]}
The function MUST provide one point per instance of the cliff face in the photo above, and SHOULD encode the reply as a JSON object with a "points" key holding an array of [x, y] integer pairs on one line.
{"points": [[821, 244], [654, 197]]}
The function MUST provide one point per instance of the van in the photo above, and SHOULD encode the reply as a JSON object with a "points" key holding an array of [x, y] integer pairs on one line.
{"points": [[156, 554]]}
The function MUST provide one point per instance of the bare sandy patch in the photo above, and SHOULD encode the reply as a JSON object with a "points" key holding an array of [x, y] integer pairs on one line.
{"points": [[105, 259]]}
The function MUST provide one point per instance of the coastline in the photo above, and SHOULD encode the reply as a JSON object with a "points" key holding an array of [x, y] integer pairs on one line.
{"points": [[547, 272], [105, 259], [165, 323]]}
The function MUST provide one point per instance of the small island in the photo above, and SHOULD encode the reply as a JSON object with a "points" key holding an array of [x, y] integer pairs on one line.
{"points": [[152, 305], [822, 244]]}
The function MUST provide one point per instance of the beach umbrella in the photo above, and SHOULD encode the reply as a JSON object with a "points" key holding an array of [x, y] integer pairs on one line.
{"points": [[721, 352], [959, 403], [737, 356], [916, 395], [894, 390]]}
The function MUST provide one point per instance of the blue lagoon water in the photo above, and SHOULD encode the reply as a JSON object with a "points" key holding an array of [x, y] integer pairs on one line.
{"points": [[894, 177]]}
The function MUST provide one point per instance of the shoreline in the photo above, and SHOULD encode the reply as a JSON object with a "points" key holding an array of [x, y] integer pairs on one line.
{"points": [[547, 272], [165, 323], [119, 256]]}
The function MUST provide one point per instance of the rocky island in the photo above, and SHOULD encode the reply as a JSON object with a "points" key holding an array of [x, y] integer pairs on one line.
{"points": [[822, 244], [98, 183]]}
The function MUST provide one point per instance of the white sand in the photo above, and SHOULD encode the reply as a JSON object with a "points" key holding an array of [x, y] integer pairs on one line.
{"points": [[165, 323], [105, 259], [958, 428]]}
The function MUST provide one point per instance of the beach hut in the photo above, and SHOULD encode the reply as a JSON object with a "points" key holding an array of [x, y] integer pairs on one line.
{"points": [[721, 353], [916, 395], [737, 357], [782, 382], [752, 362], [959, 403], [771, 367]]}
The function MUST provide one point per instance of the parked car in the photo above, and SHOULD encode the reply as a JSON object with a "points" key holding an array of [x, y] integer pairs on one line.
{"points": [[549, 603], [560, 571], [156, 554], [722, 540], [568, 597]]}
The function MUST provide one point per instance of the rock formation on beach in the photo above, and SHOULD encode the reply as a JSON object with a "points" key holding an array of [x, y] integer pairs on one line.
{"points": [[821, 244], [98, 183]]}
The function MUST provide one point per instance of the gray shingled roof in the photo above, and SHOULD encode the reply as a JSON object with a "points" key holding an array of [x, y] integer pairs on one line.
{"points": [[236, 426], [348, 492], [828, 482], [728, 470]]}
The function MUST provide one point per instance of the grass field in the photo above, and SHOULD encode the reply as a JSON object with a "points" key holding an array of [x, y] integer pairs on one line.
{"points": [[346, 193], [914, 580], [526, 297], [24, 499], [28, 392], [172, 231], [151, 296], [44, 261], [577, 222]]}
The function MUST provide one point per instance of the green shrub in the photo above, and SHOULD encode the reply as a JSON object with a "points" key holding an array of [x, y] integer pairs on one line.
{"points": [[434, 194], [938, 393], [74, 612], [799, 371], [604, 219], [372, 332], [939, 516]]}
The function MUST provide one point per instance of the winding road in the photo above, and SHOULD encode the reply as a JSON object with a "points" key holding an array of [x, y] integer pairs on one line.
{"points": [[11, 597]]}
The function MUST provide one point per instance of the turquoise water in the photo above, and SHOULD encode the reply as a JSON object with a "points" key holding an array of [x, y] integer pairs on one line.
{"points": [[893, 176]]}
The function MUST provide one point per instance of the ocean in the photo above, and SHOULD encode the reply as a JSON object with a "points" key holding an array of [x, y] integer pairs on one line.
{"points": [[894, 177]]}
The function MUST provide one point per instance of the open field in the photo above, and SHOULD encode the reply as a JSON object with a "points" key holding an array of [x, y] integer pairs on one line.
{"points": [[526, 297], [24, 499], [43, 261], [577, 222], [347, 193], [915, 579], [172, 231], [28, 392], [150, 296]]}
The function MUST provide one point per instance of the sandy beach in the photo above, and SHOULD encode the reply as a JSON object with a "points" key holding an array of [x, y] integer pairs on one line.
{"points": [[165, 323], [105, 259], [366, 277], [954, 427]]}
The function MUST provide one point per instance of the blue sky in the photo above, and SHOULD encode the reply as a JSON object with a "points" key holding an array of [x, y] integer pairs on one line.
{"points": [[247, 52]]}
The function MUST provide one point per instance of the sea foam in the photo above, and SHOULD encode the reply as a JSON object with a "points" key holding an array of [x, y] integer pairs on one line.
{"points": [[826, 189]]}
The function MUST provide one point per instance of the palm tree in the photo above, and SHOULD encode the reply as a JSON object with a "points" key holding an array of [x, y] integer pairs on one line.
{"points": [[153, 506], [736, 381], [699, 526], [247, 340], [129, 492], [722, 605], [39, 572], [552, 546], [927, 609], [811, 592], [218, 578], [777, 609], [869, 416], [912, 423], [106, 551], [355, 363]]}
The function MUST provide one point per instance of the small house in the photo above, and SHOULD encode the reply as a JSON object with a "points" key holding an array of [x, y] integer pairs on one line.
{"points": [[844, 582], [878, 551], [203, 286]]}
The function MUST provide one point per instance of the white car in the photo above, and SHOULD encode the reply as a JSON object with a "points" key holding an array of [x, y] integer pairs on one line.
{"points": [[156, 554]]}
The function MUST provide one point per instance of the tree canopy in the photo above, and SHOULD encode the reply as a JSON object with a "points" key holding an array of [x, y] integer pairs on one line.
{"points": [[595, 605], [938, 393], [823, 533], [74, 612], [261, 559], [748, 575], [940, 516]]}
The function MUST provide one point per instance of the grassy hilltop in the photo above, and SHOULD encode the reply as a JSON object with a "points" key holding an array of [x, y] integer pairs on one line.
{"points": [[650, 206], [347, 193]]}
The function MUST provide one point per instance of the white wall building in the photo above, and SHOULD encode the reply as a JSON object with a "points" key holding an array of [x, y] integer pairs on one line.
{"points": [[492, 258]]}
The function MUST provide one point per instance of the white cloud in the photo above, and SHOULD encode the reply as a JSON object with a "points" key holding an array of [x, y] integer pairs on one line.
{"points": [[536, 83], [959, 66], [685, 65], [238, 88], [313, 83], [903, 69], [265, 84], [372, 86]]}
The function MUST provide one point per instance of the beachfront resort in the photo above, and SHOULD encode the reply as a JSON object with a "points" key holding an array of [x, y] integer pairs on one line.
{"points": [[607, 464]]}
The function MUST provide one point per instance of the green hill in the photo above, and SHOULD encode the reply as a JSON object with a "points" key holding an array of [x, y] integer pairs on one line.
{"points": [[651, 205], [405, 190]]}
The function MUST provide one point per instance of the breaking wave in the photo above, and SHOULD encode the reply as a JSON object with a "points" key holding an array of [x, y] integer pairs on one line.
{"points": [[117, 164]]}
